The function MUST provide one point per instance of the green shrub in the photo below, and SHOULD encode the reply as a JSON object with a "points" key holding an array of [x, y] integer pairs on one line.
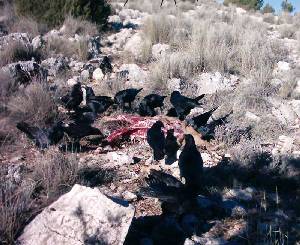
{"points": [[53, 12], [247, 4], [268, 9], [287, 7]]}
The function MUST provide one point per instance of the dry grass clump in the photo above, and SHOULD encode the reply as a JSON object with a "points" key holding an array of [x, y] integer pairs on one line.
{"points": [[26, 25], [236, 48], [55, 173], [287, 88], [8, 86], [60, 45], [159, 28], [78, 26], [15, 203], [17, 51], [33, 104], [287, 31], [269, 18]]}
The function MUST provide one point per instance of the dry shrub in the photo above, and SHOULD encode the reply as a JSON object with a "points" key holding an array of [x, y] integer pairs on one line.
{"points": [[159, 28], [15, 203], [34, 105], [17, 51], [78, 26], [25, 25], [55, 173], [240, 47], [61, 45], [287, 31], [269, 18], [287, 88], [8, 86]]}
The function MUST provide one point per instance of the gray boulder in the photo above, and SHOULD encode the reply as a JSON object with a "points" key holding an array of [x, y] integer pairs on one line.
{"points": [[55, 65], [82, 216], [23, 38]]}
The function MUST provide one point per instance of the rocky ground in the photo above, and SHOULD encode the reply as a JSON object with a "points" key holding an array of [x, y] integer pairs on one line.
{"points": [[252, 183]]}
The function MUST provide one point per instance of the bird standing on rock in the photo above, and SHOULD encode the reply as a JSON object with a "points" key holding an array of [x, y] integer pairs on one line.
{"points": [[156, 140], [43, 137], [73, 99], [182, 104], [171, 147], [126, 96], [149, 103], [191, 164]]}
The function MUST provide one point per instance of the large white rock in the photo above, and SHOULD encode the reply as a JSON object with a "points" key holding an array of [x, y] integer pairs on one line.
{"points": [[82, 216], [283, 66], [98, 75], [136, 75], [72, 81], [173, 84], [159, 50], [209, 83], [134, 45], [37, 42], [119, 39], [283, 111], [22, 38]]}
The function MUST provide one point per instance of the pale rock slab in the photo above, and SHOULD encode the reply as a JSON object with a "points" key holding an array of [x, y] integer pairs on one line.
{"points": [[82, 216]]}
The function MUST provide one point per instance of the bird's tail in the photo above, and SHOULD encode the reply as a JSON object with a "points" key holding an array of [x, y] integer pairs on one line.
{"points": [[139, 90], [25, 128], [199, 98]]}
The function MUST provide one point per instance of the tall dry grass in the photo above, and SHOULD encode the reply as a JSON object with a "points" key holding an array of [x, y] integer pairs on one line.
{"points": [[17, 51], [78, 26], [34, 104]]}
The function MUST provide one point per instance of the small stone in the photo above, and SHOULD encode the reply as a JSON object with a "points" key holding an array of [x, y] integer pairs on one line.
{"points": [[72, 81], [159, 50], [129, 196], [85, 75], [98, 75], [252, 117]]}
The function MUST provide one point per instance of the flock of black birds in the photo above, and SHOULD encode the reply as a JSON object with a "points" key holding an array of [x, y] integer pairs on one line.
{"points": [[173, 194], [83, 117]]}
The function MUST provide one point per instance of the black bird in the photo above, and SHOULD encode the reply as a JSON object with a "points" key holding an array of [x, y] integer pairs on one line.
{"points": [[182, 104], [22, 77], [191, 164], [99, 106], [43, 137], [89, 92], [73, 99], [149, 103], [201, 120], [171, 147], [84, 116], [163, 186], [145, 110], [156, 140], [172, 112], [208, 131], [106, 66], [126, 96], [77, 131], [173, 194]]}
